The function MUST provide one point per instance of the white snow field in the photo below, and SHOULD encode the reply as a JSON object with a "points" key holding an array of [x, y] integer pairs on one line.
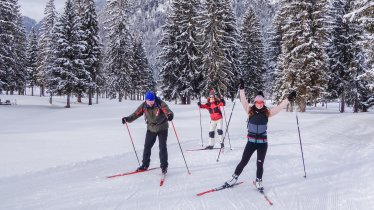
{"points": [[55, 158]]}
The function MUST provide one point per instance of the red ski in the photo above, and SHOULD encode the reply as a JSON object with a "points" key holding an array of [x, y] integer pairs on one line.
{"points": [[162, 179], [218, 189], [263, 193], [132, 172]]}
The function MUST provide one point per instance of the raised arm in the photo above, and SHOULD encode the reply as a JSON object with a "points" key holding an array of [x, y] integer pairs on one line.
{"points": [[279, 107], [244, 101]]}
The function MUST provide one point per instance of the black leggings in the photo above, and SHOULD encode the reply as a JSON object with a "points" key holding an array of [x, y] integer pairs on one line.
{"points": [[250, 148]]}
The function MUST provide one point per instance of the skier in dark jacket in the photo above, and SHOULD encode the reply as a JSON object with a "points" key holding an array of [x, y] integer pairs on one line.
{"points": [[157, 114], [214, 107], [258, 115]]}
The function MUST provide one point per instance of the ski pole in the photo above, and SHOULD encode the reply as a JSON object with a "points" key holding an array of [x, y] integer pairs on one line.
{"points": [[227, 127], [201, 129], [180, 147], [132, 143], [301, 146], [224, 113], [228, 134]]}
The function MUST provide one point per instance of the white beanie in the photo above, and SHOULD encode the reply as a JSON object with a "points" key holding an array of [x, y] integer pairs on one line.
{"points": [[259, 98]]}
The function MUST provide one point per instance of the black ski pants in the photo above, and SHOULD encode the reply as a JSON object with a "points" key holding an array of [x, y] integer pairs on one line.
{"points": [[150, 139], [250, 148]]}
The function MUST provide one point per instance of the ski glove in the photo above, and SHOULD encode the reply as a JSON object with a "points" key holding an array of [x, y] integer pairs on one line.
{"points": [[208, 104], [124, 120], [198, 103], [170, 116], [291, 96], [241, 84]]}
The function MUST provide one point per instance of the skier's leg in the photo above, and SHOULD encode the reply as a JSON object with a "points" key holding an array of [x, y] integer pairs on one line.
{"points": [[150, 139], [248, 151], [213, 125], [162, 138], [261, 153], [219, 130]]}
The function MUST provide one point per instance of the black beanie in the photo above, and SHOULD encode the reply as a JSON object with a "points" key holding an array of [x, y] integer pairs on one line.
{"points": [[260, 93]]}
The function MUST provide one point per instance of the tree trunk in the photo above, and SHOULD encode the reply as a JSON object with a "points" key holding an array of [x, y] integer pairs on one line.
{"points": [[79, 98], [120, 96], [50, 98], [188, 100], [302, 105], [342, 103], [68, 101], [355, 106], [97, 97], [32, 90], [90, 96], [183, 100], [42, 90]]}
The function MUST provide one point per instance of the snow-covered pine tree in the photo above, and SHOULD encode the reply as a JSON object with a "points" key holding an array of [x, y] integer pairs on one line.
{"points": [[141, 67], [218, 41], [7, 55], [304, 60], [46, 43], [169, 73], [92, 51], [337, 50], [13, 48], [119, 56], [275, 54], [20, 46], [65, 75], [362, 12], [252, 54], [32, 55], [359, 90], [232, 52], [361, 16], [186, 49], [81, 72]]}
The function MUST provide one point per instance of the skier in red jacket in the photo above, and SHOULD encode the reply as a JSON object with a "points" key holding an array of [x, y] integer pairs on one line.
{"points": [[213, 105]]}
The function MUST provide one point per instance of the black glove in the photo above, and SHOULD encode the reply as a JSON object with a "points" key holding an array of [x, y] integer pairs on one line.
{"points": [[292, 96], [223, 101], [170, 117], [208, 104], [124, 120], [241, 84], [198, 103]]}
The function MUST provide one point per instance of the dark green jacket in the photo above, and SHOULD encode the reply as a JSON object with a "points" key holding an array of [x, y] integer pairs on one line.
{"points": [[155, 116]]}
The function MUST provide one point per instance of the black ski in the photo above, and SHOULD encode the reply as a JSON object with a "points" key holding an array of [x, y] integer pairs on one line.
{"points": [[200, 149]]}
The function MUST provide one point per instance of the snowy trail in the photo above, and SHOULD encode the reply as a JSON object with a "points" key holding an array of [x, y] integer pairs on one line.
{"points": [[67, 168]]}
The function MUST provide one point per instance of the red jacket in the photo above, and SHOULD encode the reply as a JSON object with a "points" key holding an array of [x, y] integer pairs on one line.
{"points": [[214, 109]]}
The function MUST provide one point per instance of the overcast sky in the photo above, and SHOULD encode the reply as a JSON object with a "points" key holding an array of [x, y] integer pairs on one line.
{"points": [[35, 8]]}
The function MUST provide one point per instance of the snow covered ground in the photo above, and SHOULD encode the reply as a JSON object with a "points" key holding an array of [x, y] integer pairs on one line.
{"points": [[56, 158]]}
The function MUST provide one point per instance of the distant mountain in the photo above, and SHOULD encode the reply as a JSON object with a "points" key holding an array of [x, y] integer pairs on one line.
{"points": [[28, 23]]}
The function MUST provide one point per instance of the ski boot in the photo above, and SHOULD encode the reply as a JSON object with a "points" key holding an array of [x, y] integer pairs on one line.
{"points": [[232, 181]]}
